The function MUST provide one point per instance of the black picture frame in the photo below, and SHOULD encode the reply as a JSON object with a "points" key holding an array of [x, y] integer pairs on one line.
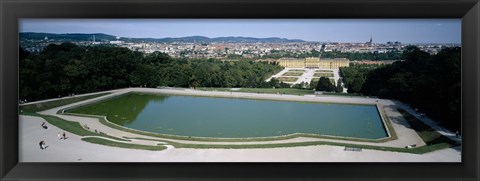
{"points": [[11, 11]]}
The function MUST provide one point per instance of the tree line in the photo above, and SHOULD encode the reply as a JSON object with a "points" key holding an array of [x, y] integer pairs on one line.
{"points": [[430, 83], [354, 76], [60, 70]]}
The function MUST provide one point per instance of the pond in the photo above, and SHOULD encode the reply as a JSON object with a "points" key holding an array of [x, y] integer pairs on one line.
{"points": [[236, 118]]}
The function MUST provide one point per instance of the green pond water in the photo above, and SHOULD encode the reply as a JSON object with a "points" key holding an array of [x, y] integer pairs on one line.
{"points": [[236, 118]]}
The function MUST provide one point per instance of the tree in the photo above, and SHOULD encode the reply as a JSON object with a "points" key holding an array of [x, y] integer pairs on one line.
{"points": [[69, 68], [324, 84], [430, 83], [339, 88]]}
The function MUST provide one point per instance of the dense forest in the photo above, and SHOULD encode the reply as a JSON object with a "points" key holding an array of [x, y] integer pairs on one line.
{"points": [[430, 83], [354, 76], [60, 70]]}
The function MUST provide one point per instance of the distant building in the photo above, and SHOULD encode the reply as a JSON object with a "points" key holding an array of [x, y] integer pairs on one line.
{"points": [[371, 62], [369, 42], [117, 41], [313, 62]]}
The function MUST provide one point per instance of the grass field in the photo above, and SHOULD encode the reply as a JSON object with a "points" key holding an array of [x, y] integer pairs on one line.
{"points": [[323, 75], [292, 73], [418, 150], [274, 91], [343, 94], [70, 126], [106, 142], [326, 71], [290, 91], [296, 70], [288, 79], [56, 103]]}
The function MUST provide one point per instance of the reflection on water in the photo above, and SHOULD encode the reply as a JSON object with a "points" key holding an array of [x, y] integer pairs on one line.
{"points": [[224, 117], [121, 110]]}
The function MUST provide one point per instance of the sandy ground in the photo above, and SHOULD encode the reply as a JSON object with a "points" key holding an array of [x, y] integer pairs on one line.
{"points": [[73, 149]]}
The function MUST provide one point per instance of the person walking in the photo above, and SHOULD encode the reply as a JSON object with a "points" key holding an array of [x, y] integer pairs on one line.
{"points": [[64, 136], [59, 136]]}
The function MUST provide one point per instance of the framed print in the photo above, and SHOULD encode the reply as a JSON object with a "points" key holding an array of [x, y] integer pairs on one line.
{"points": [[239, 90]]}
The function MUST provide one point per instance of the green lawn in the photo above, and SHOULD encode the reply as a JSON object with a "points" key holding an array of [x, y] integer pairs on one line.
{"points": [[288, 79], [418, 150], [323, 75], [70, 126], [343, 94], [56, 103], [290, 91], [123, 145], [222, 89], [293, 74], [296, 70], [320, 71]]}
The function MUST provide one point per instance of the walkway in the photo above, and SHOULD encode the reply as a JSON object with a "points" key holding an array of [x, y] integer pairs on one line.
{"points": [[75, 150]]}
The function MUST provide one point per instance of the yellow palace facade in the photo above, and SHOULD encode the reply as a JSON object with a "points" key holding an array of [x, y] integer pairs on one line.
{"points": [[313, 62]]}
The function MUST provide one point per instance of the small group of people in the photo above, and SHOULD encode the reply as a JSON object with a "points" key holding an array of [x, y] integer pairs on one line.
{"points": [[62, 136], [42, 143]]}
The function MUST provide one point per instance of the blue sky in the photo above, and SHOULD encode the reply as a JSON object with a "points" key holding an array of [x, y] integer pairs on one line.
{"points": [[335, 30]]}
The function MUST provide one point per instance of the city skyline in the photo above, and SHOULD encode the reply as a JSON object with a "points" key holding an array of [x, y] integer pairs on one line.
{"points": [[319, 30]]}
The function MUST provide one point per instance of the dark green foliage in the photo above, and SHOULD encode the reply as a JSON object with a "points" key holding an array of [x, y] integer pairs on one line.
{"points": [[60, 70], [339, 87], [354, 76], [430, 83], [429, 135], [324, 84], [56, 103]]}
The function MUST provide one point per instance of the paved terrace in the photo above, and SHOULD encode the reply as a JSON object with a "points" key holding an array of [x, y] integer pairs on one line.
{"points": [[307, 76], [30, 134]]}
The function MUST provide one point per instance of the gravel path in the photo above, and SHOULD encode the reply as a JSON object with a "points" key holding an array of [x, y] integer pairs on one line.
{"points": [[75, 150]]}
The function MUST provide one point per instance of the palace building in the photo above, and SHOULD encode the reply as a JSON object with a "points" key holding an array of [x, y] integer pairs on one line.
{"points": [[313, 62]]}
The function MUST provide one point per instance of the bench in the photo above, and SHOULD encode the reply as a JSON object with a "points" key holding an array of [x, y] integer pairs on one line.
{"points": [[411, 146]]}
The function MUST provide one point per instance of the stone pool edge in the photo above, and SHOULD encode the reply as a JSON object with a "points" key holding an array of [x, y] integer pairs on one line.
{"points": [[103, 120]]}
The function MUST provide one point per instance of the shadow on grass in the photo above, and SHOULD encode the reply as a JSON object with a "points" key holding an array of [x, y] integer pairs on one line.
{"points": [[429, 135]]}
